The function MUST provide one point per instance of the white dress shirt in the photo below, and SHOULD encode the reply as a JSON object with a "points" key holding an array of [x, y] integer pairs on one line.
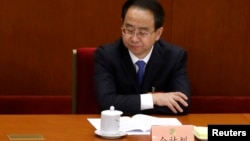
{"points": [[146, 99]]}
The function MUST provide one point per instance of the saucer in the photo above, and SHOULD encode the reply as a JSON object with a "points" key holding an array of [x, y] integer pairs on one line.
{"points": [[114, 136]]}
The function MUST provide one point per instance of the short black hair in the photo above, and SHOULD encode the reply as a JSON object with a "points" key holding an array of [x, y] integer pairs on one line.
{"points": [[153, 5]]}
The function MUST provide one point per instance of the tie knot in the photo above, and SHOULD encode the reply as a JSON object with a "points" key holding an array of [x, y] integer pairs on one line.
{"points": [[140, 64]]}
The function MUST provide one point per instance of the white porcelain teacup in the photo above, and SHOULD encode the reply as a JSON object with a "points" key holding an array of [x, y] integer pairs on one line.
{"points": [[110, 121]]}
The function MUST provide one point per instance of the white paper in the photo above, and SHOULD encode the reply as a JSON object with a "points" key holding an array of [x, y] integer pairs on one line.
{"points": [[139, 124]]}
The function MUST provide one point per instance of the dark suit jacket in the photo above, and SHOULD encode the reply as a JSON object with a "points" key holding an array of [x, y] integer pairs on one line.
{"points": [[115, 77]]}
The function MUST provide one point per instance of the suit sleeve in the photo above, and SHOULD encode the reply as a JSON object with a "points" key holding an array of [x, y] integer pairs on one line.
{"points": [[179, 81], [106, 85]]}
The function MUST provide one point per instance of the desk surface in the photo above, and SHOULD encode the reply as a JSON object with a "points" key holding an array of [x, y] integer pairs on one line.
{"points": [[77, 128]]}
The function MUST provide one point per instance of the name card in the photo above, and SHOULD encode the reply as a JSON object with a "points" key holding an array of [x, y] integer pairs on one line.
{"points": [[172, 133]]}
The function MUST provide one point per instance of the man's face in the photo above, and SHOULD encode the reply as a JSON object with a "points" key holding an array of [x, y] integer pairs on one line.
{"points": [[138, 30]]}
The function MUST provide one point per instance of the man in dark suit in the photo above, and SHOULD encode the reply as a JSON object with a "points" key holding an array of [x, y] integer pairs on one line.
{"points": [[164, 88]]}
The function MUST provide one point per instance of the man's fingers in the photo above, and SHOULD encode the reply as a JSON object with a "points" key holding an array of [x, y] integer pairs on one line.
{"points": [[181, 100], [174, 106], [181, 95]]}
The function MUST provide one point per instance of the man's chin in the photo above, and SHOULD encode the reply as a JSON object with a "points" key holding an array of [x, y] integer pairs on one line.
{"points": [[135, 50]]}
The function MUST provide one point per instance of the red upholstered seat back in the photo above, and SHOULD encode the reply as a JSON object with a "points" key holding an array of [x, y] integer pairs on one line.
{"points": [[220, 104], [84, 99]]}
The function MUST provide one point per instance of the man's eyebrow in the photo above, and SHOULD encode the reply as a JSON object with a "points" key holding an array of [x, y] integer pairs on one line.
{"points": [[128, 25], [143, 28], [140, 28]]}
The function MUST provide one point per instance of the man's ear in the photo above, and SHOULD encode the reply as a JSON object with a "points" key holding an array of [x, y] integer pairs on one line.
{"points": [[158, 33]]}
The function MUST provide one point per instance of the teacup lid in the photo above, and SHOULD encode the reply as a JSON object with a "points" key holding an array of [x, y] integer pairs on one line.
{"points": [[112, 111]]}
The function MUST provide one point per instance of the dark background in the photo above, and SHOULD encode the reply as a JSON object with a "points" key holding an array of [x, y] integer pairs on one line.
{"points": [[37, 38]]}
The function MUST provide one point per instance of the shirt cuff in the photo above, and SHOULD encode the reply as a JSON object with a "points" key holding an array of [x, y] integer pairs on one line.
{"points": [[146, 101]]}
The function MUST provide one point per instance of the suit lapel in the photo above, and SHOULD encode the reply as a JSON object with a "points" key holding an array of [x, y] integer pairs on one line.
{"points": [[153, 67], [129, 68]]}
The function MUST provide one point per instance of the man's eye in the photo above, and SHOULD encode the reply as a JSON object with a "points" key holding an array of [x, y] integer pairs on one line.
{"points": [[142, 33], [130, 31]]}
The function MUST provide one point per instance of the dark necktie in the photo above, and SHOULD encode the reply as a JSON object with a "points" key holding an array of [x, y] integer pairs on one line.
{"points": [[140, 72]]}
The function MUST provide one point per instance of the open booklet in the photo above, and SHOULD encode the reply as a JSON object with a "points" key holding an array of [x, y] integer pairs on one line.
{"points": [[138, 124]]}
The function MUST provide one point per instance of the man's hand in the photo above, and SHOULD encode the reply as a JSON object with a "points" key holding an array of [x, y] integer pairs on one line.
{"points": [[171, 100]]}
